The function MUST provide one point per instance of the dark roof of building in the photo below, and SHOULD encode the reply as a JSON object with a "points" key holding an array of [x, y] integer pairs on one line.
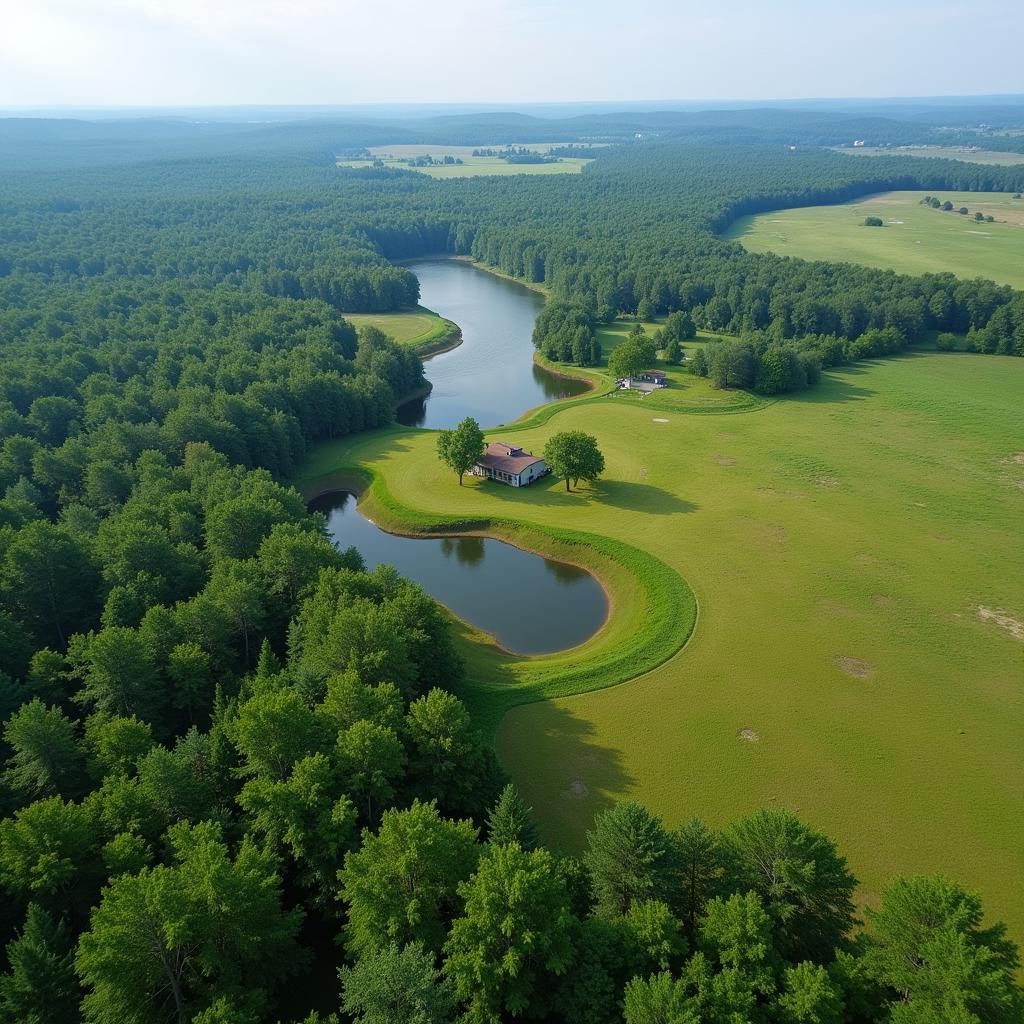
{"points": [[506, 459]]}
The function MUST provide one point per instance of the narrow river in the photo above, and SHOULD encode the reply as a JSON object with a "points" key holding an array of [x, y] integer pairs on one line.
{"points": [[529, 604], [491, 376]]}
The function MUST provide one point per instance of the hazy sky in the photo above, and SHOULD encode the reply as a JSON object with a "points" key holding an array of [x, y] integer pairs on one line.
{"points": [[153, 52]]}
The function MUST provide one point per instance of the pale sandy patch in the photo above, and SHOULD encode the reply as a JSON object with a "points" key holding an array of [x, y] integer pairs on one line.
{"points": [[855, 667], [1012, 626], [748, 736]]}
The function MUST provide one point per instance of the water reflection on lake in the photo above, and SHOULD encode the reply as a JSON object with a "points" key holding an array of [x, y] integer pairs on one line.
{"points": [[530, 604], [491, 376]]}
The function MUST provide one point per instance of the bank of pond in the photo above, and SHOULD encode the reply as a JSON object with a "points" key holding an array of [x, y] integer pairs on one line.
{"points": [[530, 604]]}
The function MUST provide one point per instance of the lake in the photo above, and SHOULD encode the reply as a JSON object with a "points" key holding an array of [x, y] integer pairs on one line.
{"points": [[529, 604], [491, 376]]}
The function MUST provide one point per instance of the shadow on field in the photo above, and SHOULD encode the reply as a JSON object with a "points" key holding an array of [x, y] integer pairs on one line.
{"points": [[837, 385], [560, 771], [616, 493], [642, 498]]}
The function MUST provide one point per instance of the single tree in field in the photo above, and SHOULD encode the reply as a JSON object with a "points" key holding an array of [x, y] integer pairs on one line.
{"points": [[673, 351], [462, 448], [574, 455]]}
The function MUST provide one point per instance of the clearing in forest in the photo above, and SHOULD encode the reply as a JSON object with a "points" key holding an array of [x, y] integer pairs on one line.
{"points": [[913, 239]]}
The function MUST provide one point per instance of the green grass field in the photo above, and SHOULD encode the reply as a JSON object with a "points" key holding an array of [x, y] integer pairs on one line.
{"points": [[914, 239], [968, 156], [858, 655], [471, 166], [421, 329]]}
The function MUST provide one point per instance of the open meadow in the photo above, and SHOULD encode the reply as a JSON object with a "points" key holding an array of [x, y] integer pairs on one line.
{"points": [[859, 650], [471, 166], [967, 156], [914, 239]]}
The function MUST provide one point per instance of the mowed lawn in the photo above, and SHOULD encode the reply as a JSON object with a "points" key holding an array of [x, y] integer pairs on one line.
{"points": [[858, 656], [914, 239]]}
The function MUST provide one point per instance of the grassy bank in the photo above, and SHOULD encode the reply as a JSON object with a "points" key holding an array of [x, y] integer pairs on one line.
{"points": [[421, 329]]}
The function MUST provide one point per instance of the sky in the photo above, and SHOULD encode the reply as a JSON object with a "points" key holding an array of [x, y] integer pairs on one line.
{"points": [[224, 52]]}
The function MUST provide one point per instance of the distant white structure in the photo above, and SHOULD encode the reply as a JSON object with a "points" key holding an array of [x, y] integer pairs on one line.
{"points": [[858, 142]]}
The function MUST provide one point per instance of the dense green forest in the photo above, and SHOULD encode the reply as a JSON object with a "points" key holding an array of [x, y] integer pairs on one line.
{"points": [[234, 761]]}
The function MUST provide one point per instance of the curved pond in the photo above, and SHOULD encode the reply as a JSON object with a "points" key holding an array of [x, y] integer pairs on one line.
{"points": [[529, 604], [491, 376]]}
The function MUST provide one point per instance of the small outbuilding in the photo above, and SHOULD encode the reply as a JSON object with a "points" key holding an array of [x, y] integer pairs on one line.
{"points": [[648, 380], [510, 465]]}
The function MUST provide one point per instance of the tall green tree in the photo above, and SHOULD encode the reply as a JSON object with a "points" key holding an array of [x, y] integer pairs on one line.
{"points": [[401, 885], [805, 883], [929, 947], [629, 855], [393, 985], [46, 758], [511, 821], [462, 448], [40, 986], [50, 579], [574, 455], [514, 937], [165, 944]]}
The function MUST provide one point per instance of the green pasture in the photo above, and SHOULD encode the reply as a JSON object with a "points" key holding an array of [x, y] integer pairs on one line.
{"points": [[420, 329], [818, 603], [967, 156], [914, 239], [471, 166]]}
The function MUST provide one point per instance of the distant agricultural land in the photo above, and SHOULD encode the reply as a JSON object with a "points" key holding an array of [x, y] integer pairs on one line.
{"points": [[463, 163], [914, 239], [964, 153]]}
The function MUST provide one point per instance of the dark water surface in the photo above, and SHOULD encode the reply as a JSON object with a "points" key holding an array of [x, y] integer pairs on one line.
{"points": [[530, 604], [491, 376]]}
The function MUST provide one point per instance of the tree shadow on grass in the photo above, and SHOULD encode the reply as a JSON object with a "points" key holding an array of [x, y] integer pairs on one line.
{"points": [[838, 384], [615, 493], [641, 497], [560, 770]]}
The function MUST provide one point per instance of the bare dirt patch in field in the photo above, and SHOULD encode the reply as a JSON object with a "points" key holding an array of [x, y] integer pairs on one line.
{"points": [[882, 600], [827, 481], [1017, 459], [725, 460], [1012, 626], [855, 667], [830, 607], [865, 559], [748, 736], [577, 790]]}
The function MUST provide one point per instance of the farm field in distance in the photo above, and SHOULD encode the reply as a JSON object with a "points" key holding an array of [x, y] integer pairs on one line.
{"points": [[915, 239], [867, 677], [471, 166], [969, 156]]}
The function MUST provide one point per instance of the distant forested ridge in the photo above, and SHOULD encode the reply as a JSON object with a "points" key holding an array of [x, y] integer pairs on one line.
{"points": [[233, 761]]}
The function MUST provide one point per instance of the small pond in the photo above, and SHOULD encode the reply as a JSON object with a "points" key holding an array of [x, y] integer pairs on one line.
{"points": [[491, 376], [529, 604]]}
